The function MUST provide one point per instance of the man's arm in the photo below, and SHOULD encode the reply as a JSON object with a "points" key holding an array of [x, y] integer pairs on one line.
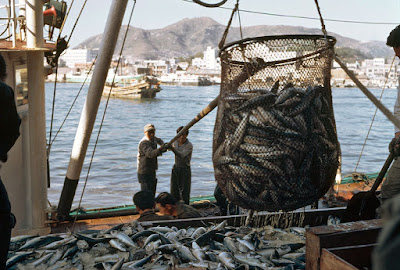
{"points": [[158, 141], [184, 151], [148, 150]]}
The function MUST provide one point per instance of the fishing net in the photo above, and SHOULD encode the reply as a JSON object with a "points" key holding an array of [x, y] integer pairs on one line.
{"points": [[275, 145]]}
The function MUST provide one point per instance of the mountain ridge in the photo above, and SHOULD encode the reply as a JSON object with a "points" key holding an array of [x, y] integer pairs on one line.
{"points": [[188, 37]]}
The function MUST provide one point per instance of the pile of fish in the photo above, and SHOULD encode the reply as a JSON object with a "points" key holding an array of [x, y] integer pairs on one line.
{"points": [[275, 150], [131, 246]]}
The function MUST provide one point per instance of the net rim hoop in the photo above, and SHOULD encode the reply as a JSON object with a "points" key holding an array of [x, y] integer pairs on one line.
{"points": [[331, 39]]}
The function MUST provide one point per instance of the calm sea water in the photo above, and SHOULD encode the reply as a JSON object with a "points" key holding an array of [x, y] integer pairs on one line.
{"points": [[112, 179]]}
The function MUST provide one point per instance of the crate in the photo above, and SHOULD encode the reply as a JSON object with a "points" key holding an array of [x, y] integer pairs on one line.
{"points": [[339, 244]]}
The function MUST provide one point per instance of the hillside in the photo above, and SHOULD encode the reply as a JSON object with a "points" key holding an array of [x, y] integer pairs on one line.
{"points": [[190, 36]]}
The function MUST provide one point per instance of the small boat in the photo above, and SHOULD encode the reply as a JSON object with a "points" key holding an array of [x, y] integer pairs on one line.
{"points": [[147, 88]]}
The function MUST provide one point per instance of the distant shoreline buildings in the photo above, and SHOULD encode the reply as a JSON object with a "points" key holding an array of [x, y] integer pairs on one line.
{"points": [[75, 65]]}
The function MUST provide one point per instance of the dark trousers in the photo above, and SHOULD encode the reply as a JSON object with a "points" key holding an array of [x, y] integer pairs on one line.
{"points": [[7, 222], [224, 206], [181, 181], [148, 181]]}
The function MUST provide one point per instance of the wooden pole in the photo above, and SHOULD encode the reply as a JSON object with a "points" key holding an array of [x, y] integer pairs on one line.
{"points": [[371, 97], [203, 113]]}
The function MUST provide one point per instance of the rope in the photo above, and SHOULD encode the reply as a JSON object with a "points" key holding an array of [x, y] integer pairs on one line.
{"points": [[73, 103], [321, 19], [309, 18], [76, 22], [52, 110], [240, 22], [210, 5], [55, 82], [373, 118], [105, 110], [225, 34]]}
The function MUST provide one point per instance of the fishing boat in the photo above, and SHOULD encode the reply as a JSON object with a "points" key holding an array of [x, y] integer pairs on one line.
{"points": [[147, 87], [31, 148], [26, 172]]}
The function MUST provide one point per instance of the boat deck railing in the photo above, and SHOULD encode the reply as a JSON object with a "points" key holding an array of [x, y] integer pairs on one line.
{"points": [[12, 22]]}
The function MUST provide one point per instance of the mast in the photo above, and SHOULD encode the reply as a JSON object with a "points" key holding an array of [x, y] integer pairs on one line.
{"points": [[90, 108]]}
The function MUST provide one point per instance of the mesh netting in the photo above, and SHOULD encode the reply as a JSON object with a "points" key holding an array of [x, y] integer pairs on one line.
{"points": [[275, 145]]}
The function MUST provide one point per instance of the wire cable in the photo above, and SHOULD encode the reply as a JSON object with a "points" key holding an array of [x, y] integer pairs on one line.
{"points": [[373, 118], [306, 17], [73, 103]]}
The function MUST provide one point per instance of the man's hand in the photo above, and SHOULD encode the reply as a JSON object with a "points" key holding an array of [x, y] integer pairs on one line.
{"points": [[169, 146], [163, 148], [394, 148]]}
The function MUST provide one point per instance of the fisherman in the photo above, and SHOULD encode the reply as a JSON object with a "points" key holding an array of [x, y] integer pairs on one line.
{"points": [[145, 205], [388, 248], [147, 158], [9, 133], [181, 175], [168, 205], [225, 207], [391, 186]]}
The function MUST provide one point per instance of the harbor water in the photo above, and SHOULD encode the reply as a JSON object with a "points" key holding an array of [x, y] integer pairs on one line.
{"points": [[112, 178]]}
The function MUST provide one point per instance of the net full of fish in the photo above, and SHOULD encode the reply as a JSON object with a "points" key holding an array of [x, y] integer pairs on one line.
{"points": [[133, 247], [275, 149]]}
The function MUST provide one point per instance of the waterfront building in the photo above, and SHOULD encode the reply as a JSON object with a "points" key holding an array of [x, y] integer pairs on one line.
{"points": [[71, 57]]}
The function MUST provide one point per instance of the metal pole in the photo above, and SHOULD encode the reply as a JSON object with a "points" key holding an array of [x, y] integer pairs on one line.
{"points": [[13, 19], [88, 117], [37, 115]]}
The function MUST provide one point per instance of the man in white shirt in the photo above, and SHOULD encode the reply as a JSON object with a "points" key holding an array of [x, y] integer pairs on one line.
{"points": [[391, 185], [147, 158]]}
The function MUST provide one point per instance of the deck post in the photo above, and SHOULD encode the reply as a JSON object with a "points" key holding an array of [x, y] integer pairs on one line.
{"points": [[89, 112], [36, 116]]}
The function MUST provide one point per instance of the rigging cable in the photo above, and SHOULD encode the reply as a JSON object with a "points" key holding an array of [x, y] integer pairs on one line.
{"points": [[73, 103], [56, 75], [373, 118], [339, 168], [308, 18], [104, 113]]}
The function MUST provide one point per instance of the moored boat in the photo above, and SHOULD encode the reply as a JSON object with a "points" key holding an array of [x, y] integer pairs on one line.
{"points": [[147, 88]]}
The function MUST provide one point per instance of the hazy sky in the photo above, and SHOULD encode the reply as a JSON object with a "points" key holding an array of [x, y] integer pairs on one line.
{"points": [[155, 14]]}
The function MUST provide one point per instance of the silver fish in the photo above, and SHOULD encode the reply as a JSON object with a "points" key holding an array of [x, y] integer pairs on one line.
{"points": [[42, 260], [56, 257], [107, 258], [117, 245], [248, 244], [197, 252], [185, 253], [251, 261], [124, 238], [226, 259]]}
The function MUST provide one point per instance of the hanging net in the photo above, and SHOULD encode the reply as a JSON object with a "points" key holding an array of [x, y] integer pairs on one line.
{"points": [[275, 145]]}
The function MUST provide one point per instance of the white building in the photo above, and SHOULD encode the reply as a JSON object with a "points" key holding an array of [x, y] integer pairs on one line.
{"points": [[209, 60], [78, 56], [199, 62]]}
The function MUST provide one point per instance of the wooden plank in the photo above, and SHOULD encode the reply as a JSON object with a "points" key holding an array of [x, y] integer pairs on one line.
{"points": [[341, 235], [358, 256], [330, 261]]}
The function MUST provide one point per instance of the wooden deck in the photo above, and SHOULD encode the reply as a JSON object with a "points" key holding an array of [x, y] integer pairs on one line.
{"points": [[91, 224], [6, 45], [312, 217]]}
